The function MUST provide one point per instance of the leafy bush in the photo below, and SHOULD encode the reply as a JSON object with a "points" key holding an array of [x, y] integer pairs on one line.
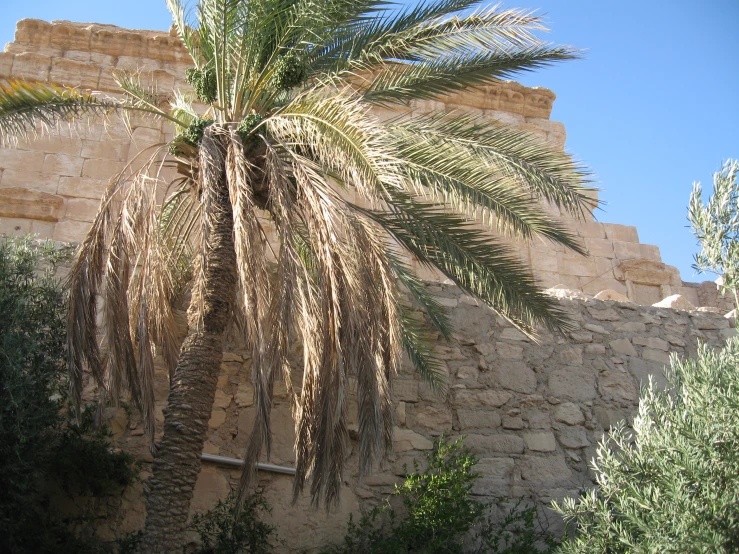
{"points": [[716, 226], [224, 531], [673, 484], [441, 516], [37, 445]]}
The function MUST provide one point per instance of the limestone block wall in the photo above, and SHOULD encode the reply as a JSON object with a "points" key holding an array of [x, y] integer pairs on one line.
{"points": [[533, 413], [52, 186]]}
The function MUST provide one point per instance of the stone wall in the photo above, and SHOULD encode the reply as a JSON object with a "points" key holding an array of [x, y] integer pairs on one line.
{"points": [[533, 413], [52, 186]]}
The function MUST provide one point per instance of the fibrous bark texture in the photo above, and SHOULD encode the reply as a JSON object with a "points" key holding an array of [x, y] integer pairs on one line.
{"points": [[192, 390]]}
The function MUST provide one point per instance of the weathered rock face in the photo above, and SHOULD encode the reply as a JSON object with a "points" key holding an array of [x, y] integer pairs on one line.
{"points": [[532, 413], [53, 185]]}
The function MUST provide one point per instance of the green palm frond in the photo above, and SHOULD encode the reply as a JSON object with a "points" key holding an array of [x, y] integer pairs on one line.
{"points": [[532, 164], [418, 346], [473, 260], [437, 314], [428, 79], [440, 36], [453, 171], [24, 106], [27, 108]]}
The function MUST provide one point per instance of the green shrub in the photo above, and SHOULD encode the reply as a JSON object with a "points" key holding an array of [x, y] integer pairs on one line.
{"points": [[673, 484], [224, 531], [440, 515], [38, 446]]}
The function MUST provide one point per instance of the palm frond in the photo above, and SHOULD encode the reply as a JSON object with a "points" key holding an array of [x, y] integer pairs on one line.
{"points": [[418, 347], [437, 314], [397, 83], [26, 106], [475, 261], [527, 163], [455, 170]]}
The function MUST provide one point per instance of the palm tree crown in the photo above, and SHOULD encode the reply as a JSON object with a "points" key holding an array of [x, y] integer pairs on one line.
{"points": [[280, 124]]}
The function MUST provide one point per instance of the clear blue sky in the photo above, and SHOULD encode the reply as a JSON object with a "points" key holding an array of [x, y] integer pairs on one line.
{"points": [[652, 107]]}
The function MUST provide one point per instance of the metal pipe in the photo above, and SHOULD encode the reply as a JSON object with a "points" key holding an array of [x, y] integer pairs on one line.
{"points": [[223, 460]]}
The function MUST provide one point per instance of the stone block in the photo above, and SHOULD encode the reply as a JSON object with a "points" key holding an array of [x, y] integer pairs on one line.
{"points": [[571, 356], [515, 376], [32, 180], [544, 468], [222, 400], [496, 468], [6, 64], [540, 442], [217, 418], [509, 351], [572, 383], [651, 342], [624, 233], [599, 329], [71, 231], [602, 248], [573, 437], [16, 202], [478, 419], [610, 294], [21, 160], [405, 390], [656, 356], [57, 143], [31, 66], [618, 385], [81, 209], [608, 417], [15, 226], [569, 413], [137, 64], [711, 323], [82, 187], [675, 302], [405, 439], [32, 32], [650, 252], [622, 347], [481, 445], [636, 327], [477, 398], [101, 169], [211, 486], [73, 73], [512, 422], [433, 418], [104, 150], [626, 250], [468, 374], [642, 370], [597, 349], [509, 333], [578, 266], [69, 37], [591, 230], [62, 165]]}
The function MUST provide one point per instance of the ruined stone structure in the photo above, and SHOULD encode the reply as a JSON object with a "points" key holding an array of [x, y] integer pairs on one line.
{"points": [[532, 412]]}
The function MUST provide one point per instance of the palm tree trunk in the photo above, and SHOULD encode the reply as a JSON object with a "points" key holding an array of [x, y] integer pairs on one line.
{"points": [[192, 390]]}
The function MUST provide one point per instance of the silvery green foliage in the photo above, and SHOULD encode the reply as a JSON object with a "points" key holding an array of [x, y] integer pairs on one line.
{"points": [[671, 485], [716, 226]]}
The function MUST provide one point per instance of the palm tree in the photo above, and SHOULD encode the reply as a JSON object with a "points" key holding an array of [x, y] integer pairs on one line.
{"points": [[281, 129]]}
